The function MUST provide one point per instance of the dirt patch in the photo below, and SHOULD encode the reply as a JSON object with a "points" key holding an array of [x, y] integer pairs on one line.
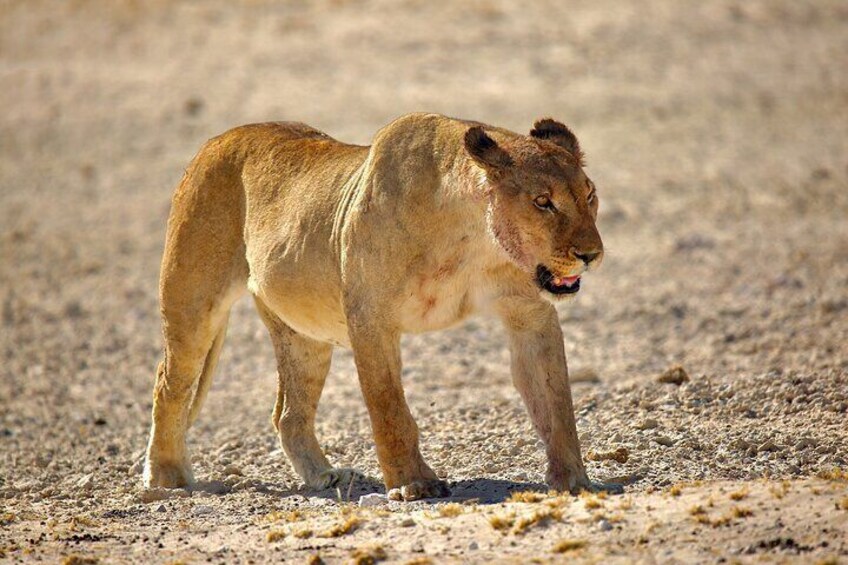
{"points": [[715, 135]]}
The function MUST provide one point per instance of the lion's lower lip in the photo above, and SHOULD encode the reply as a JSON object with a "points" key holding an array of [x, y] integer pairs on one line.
{"points": [[556, 285]]}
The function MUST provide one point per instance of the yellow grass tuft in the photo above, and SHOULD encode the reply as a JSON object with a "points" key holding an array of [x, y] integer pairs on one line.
{"points": [[697, 510], [368, 555], [740, 494], [526, 497], [843, 504], [591, 501], [450, 510], [419, 561], [626, 503], [342, 528], [835, 474], [302, 533], [675, 490], [284, 516], [741, 512], [502, 521], [568, 545], [537, 518], [275, 536], [315, 559]]}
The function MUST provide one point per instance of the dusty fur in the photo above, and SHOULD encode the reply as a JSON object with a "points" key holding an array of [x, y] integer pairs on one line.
{"points": [[352, 246]]}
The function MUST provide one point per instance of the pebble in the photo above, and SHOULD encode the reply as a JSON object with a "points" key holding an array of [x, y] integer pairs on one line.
{"points": [[604, 525], [767, 445], [676, 375], [373, 499], [233, 470], [473, 546], [407, 523], [647, 424], [202, 510], [161, 508], [664, 441]]}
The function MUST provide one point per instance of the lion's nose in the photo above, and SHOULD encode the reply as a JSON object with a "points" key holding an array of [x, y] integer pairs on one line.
{"points": [[587, 257]]}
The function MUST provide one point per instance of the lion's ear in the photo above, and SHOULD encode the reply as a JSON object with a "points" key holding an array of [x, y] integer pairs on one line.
{"points": [[485, 150], [558, 133]]}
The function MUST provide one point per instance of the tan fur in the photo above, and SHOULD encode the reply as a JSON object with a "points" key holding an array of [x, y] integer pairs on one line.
{"points": [[352, 246]]}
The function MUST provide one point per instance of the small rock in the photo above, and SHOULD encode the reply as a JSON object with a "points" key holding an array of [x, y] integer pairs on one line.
{"points": [[676, 375], [804, 443], [619, 455], [202, 510], [86, 482], [407, 523], [473, 546], [215, 487], [664, 440], [373, 499], [647, 424], [161, 508], [232, 470], [767, 445], [604, 525]]}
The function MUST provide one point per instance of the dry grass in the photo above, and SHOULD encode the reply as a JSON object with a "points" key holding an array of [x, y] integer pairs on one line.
{"points": [[450, 510], [502, 522], [779, 491], [289, 516], [419, 561], [592, 501], [697, 510], [843, 504], [537, 518], [526, 497], [342, 528], [740, 494], [741, 512], [274, 536], [315, 559], [835, 474], [302, 533], [569, 545], [368, 555], [675, 490]]}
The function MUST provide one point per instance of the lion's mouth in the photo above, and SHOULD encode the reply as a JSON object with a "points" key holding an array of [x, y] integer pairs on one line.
{"points": [[554, 284]]}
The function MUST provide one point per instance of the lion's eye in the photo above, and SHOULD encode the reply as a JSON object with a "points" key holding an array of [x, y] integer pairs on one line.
{"points": [[542, 202], [591, 197]]}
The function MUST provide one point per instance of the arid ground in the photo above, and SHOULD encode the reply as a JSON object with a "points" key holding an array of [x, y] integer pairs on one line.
{"points": [[717, 133]]}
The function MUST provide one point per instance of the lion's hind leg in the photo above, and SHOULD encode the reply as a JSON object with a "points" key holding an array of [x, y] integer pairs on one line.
{"points": [[302, 367]]}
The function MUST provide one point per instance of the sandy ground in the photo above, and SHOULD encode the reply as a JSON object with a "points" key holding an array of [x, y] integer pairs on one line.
{"points": [[716, 133]]}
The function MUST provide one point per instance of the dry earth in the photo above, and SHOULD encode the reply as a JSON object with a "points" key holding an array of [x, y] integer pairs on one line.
{"points": [[716, 132]]}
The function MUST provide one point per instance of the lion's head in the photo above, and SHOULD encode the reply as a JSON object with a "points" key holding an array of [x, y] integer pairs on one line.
{"points": [[541, 205]]}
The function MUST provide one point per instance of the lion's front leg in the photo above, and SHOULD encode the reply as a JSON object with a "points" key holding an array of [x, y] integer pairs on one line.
{"points": [[377, 356], [540, 374]]}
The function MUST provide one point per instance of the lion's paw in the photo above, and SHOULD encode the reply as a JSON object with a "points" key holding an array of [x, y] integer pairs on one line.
{"points": [[416, 490], [167, 475], [341, 476]]}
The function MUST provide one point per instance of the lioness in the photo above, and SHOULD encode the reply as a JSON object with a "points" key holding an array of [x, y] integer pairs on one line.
{"points": [[345, 245]]}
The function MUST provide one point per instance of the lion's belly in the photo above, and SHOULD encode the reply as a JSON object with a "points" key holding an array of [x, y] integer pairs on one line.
{"points": [[308, 313]]}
